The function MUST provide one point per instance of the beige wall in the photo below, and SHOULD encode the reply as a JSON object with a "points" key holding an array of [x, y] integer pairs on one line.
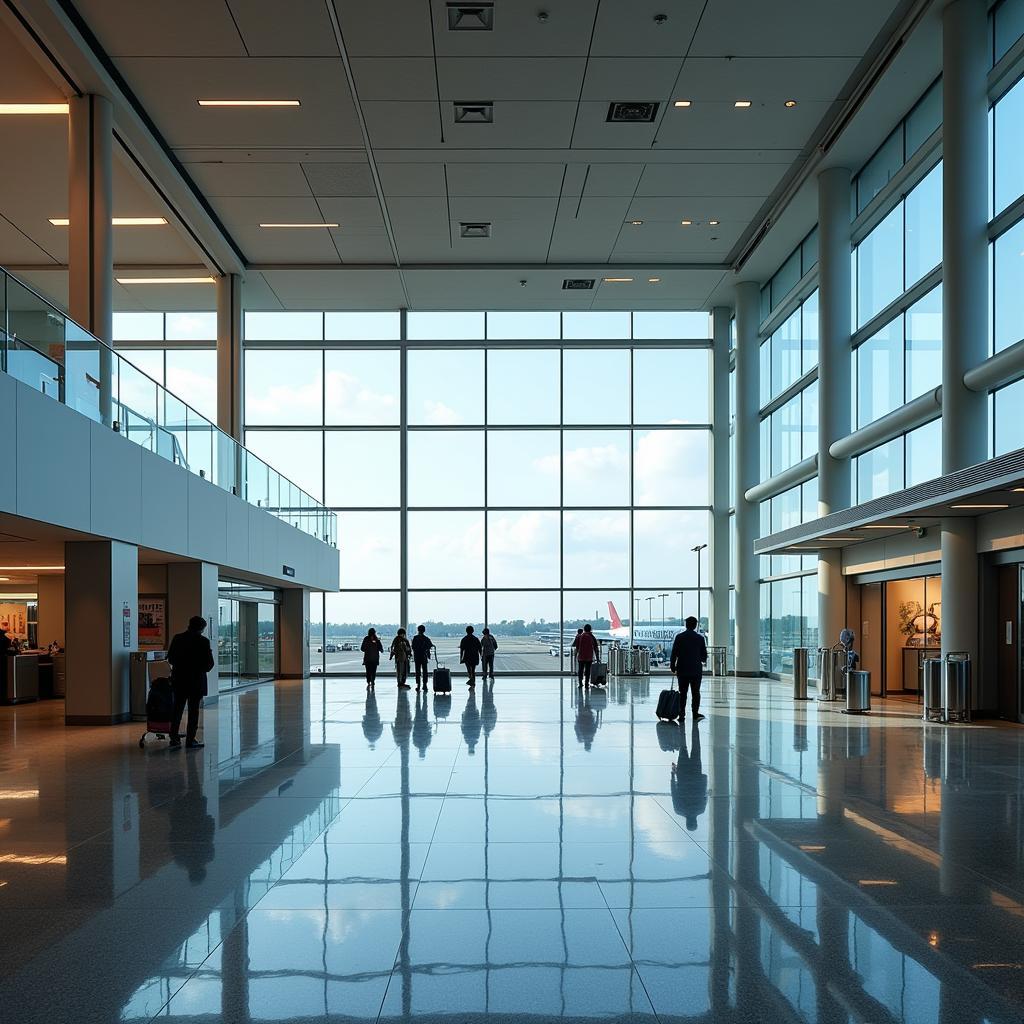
{"points": [[51, 610]]}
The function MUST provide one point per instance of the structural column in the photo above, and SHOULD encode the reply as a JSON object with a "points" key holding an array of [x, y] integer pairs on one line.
{"points": [[964, 297], [720, 478], [101, 599], [192, 590], [835, 303], [293, 633], [90, 232], [747, 471], [229, 355]]}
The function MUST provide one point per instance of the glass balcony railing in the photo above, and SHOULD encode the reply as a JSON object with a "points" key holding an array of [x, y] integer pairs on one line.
{"points": [[46, 350]]}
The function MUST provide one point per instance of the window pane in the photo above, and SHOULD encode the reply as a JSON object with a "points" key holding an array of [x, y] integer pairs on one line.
{"points": [[295, 454], [1009, 26], [670, 467], [675, 326], [880, 267], [584, 326], [879, 169], [1009, 288], [596, 385], [663, 545], [596, 548], [880, 471], [1009, 424], [362, 468], [809, 329], [924, 227], [347, 617], [596, 467], [786, 354], [924, 453], [880, 373], [283, 387], [368, 544], [138, 327], [809, 251], [445, 326], [362, 388], [528, 630], [924, 119], [192, 376], [924, 344], [523, 386], [523, 467], [446, 467], [606, 611], [446, 387], [192, 326], [765, 371], [446, 549], [786, 278], [149, 361], [284, 326], [523, 326], [385, 326], [786, 435], [1009, 147], [446, 617], [671, 385], [523, 549], [809, 426]]}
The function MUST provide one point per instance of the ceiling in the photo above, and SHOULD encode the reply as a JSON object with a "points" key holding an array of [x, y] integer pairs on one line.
{"points": [[374, 145]]}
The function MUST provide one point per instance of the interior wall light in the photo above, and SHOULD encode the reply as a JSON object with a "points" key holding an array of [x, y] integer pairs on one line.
{"points": [[249, 103], [34, 108], [166, 280]]}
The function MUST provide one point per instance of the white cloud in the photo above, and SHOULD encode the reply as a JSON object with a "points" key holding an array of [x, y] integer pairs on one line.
{"points": [[352, 400], [670, 467], [439, 414]]}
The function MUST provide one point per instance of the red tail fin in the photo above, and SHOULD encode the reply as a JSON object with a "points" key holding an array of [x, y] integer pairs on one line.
{"points": [[614, 616]]}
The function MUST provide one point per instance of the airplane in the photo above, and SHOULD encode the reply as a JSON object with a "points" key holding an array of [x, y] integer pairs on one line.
{"points": [[657, 638]]}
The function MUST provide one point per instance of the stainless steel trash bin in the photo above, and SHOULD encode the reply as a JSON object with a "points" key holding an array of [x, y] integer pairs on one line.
{"points": [[956, 686], [718, 661], [933, 704], [801, 665], [858, 692], [831, 671], [143, 668]]}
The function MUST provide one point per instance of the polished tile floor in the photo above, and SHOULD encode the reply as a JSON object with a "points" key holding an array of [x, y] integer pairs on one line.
{"points": [[523, 854]]}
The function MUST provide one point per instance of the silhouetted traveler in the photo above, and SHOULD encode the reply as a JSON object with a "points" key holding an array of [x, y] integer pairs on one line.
{"points": [[488, 645], [422, 645], [373, 727], [401, 729], [422, 731], [471, 724], [586, 722], [689, 656], [586, 650], [401, 652], [488, 712], [689, 784], [372, 649], [469, 655], [191, 657], [192, 828]]}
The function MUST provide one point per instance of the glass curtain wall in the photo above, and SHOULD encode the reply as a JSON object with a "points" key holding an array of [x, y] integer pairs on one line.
{"points": [[525, 471]]}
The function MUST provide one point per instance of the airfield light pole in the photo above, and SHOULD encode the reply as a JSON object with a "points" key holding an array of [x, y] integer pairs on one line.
{"points": [[697, 549], [650, 614], [682, 594], [663, 596]]}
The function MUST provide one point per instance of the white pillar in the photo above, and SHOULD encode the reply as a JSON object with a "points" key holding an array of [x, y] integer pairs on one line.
{"points": [[747, 470], [192, 590], [293, 633], [835, 304], [230, 365], [101, 599], [720, 469], [90, 233]]}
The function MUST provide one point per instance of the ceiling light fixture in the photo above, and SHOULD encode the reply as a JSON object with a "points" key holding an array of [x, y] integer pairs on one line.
{"points": [[686, 223], [1018, 490], [34, 108], [980, 505], [790, 104], [636, 223], [742, 104], [877, 881], [681, 103], [19, 794], [25, 568], [713, 223], [654, 280], [166, 280], [118, 222], [618, 280], [249, 103], [299, 224]]}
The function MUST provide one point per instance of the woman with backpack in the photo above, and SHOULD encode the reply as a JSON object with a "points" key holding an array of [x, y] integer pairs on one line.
{"points": [[401, 651], [372, 649]]}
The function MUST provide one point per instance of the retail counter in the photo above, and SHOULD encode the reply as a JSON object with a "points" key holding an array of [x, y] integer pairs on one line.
{"points": [[21, 678]]}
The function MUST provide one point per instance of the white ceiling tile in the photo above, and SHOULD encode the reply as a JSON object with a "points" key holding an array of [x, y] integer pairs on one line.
{"points": [[586, 229], [543, 125], [510, 78], [305, 32], [238, 178], [630, 79], [593, 131], [609, 179], [412, 125], [394, 78], [257, 294], [762, 126], [346, 178], [696, 208], [398, 28], [518, 31], [757, 175], [242, 215], [520, 229], [504, 179], [630, 29], [762, 79], [412, 179], [357, 216], [336, 289]]}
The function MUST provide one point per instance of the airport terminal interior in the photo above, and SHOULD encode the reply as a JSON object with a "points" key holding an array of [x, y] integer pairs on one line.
{"points": [[532, 318]]}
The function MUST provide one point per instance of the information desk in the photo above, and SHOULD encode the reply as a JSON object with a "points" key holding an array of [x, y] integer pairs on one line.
{"points": [[20, 678]]}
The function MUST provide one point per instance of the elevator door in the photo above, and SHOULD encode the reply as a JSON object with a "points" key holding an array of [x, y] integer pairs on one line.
{"points": [[1008, 642]]}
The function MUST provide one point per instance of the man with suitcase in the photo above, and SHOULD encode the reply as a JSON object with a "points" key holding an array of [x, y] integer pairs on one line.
{"points": [[422, 645], [191, 657], [586, 650], [689, 656]]}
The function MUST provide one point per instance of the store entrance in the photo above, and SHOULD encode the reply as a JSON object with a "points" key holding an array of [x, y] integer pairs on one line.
{"points": [[247, 631]]}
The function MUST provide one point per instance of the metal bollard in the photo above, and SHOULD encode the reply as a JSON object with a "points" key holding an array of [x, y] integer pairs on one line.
{"points": [[956, 687], [933, 703], [801, 664]]}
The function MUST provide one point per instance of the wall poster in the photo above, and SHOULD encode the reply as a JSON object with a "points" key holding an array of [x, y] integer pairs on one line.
{"points": [[153, 622]]}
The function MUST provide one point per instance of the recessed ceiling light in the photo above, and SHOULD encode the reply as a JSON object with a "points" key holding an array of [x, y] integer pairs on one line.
{"points": [[742, 104], [713, 223], [980, 505], [877, 881], [33, 108], [316, 224], [249, 103], [22, 568], [118, 222], [790, 104], [1018, 490], [636, 223], [618, 280], [166, 280], [681, 103], [812, 847], [654, 280], [686, 223]]}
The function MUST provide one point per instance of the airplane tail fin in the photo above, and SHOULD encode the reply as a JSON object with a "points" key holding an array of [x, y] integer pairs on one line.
{"points": [[614, 616]]}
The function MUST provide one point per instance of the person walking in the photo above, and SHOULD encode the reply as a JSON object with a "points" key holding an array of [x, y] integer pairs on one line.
{"points": [[422, 645], [688, 783], [586, 650], [191, 657], [488, 645], [372, 649], [469, 655], [689, 656], [401, 651]]}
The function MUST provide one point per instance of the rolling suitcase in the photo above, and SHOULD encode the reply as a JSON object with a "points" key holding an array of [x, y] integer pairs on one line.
{"points": [[668, 705], [442, 679], [599, 674]]}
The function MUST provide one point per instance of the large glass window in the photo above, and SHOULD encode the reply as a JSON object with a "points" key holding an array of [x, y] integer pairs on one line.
{"points": [[1008, 287], [1008, 147]]}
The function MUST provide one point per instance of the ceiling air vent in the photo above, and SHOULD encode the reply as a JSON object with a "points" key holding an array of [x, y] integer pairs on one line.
{"points": [[480, 112], [471, 17], [474, 229], [578, 284], [632, 113]]}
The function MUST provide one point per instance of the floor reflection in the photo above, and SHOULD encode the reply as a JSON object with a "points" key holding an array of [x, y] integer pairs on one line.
{"points": [[340, 855]]}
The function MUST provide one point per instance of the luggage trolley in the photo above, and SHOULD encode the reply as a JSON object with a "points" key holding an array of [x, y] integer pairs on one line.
{"points": [[159, 706]]}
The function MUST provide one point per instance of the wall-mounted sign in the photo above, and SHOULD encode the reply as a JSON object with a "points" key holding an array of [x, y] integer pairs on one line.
{"points": [[153, 622], [126, 624], [288, 570]]}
